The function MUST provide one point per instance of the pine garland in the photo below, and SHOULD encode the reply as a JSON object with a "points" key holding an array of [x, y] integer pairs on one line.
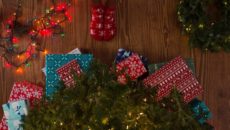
{"points": [[205, 32], [99, 102]]}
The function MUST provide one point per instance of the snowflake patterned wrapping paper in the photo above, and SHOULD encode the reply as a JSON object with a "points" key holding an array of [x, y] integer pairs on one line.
{"points": [[67, 71], [123, 54], [75, 51], [55, 61], [15, 110], [154, 67], [3, 125], [26, 90], [132, 67], [20, 91], [174, 74], [200, 110]]}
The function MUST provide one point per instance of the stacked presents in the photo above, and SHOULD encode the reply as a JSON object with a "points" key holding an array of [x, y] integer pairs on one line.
{"points": [[23, 96], [176, 74]]}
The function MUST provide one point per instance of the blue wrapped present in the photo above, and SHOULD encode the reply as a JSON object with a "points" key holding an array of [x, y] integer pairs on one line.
{"points": [[154, 67], [200, 110], [55, 61], [15, 110], [123, 54], [14, 124]]}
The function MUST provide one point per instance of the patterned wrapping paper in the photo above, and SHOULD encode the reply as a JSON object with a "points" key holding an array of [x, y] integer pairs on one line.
{"points": [[66, 72], [154, 67], [200, 110], [14, 124], [20, 91], [123, 54], [26, 90], [132, 67], [55, 61], [74, 51], [175, 74], [15, 110], [3, 125]]}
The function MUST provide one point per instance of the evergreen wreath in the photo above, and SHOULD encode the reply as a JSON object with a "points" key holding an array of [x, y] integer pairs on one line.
{"points": [[207, 22], [99, 102]]}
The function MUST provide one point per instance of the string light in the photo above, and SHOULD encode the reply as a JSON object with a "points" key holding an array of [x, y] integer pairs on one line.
{"points": [[19, 70], [43, 26]]}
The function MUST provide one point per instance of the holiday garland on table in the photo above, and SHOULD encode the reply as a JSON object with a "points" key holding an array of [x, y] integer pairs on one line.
{"points": [[99, 102], [47, 25], [205, 32]]}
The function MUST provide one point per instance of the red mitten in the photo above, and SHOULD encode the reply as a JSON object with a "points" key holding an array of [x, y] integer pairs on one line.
{"points": [[96, 25], [109, 23]]}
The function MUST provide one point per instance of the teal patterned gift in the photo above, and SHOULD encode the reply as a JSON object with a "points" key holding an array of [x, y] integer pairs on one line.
{"points": [[154, 67], [55, 61], [14, 124], [15, 110]]}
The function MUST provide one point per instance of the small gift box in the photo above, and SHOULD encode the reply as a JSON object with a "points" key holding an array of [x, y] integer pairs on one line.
{"points": [[15, 110], [55, 61], [75, 51], [66, 72], [26, 90], [154, 67], [123, 54], [200, 110], [132, 67], [174, 74]]}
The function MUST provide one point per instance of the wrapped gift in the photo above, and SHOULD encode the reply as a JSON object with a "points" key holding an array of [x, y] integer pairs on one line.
{"points": [[177, 74], [200, 110], [154, 67], [131, 67], [123, 54], [26, 90], [75, 51], [66, 72], [55, 61], [3, 125], [15, 124], [15, 110]]}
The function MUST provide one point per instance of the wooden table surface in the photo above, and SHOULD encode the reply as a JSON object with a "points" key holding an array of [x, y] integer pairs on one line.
{"points": [[149, 27]]}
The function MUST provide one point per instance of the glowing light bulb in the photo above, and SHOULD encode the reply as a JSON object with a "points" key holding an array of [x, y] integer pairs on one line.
{"points": [[19, 70], [45, 52]]}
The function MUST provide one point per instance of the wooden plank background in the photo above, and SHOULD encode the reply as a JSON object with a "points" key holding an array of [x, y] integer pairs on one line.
{"points": [[149, 27]]}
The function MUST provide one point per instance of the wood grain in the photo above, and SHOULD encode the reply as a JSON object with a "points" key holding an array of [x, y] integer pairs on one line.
{"points": [[149, 27]]}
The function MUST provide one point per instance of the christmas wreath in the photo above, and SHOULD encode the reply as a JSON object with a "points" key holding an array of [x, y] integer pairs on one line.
{"points": [[207, 22]]}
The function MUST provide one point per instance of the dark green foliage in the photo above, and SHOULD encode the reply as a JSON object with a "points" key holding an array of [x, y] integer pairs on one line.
{"points": [[207, 31], [99, 102]]}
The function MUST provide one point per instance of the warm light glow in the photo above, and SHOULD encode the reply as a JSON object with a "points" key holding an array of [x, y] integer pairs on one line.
{"points": [[7, 65], [45, 52], [19, 70], [45, 32], [15, 40]]}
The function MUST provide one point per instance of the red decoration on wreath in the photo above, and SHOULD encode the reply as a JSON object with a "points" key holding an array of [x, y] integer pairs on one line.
{"points": [[102, 25]]}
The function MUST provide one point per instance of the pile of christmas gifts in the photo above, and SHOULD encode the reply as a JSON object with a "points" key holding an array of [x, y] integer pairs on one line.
{"points": [[175, 74], [23, 96]]}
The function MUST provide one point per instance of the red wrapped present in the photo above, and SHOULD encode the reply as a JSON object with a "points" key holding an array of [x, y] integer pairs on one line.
{"points": [[132, 67], [175, 74], [3, 125], [26, 90], [66, 72], [23, 90]]}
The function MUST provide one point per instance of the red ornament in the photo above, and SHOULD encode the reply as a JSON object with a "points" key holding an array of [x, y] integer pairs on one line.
{"points": [[102, 26]]}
